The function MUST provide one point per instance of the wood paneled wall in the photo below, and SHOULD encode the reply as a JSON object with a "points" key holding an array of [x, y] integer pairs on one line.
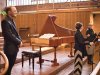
{"points": [[36, 21], [96, 18], [26, 21]]}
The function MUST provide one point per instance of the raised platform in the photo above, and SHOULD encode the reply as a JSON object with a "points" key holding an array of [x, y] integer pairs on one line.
{"points": [[47, 69]]}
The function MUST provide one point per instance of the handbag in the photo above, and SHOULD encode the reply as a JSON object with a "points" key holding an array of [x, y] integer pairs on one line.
{"points": [[90, 49]]}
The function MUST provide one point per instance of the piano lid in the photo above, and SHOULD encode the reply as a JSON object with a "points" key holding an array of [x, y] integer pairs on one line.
{"points": [[51, 27]]}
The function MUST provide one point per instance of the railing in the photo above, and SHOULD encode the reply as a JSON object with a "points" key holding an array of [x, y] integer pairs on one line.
{"points": [[96, 71], [3, 59]]}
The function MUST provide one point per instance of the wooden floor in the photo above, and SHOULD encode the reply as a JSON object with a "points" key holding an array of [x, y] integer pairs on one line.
{"points": [[62, 58], [47, 69], [87, 69]]}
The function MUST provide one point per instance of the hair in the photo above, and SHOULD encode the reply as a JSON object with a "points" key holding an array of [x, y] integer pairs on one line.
{"points": [[6, 9], [78, 25]]}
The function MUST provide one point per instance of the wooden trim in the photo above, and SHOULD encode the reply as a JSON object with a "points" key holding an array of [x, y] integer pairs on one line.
{"points": [[64, 5]]}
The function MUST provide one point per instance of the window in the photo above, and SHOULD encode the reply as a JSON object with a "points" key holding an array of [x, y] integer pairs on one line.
{"points": [[33, 2]]}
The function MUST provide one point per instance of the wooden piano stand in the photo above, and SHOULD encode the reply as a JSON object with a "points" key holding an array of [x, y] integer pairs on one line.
{"points": [[71, 50], [42, 60]]}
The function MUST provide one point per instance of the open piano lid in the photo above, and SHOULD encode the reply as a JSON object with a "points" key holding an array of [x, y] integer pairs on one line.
{"points": [[52, 28]]}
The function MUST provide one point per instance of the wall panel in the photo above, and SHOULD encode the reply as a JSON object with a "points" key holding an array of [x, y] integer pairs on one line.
{"points": [[66, 19], [97, 23]]}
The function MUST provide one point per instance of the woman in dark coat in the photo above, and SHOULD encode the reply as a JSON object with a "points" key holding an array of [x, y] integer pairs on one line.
{"points": [[80, 49]]}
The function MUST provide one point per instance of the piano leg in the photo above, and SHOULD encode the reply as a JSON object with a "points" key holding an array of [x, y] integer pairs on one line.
{"points": [[53, 61], [40, 59], [71, 51], [55, 58]]}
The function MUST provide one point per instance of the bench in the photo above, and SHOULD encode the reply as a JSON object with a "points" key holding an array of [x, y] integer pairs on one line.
{"points": [[31, 55]]}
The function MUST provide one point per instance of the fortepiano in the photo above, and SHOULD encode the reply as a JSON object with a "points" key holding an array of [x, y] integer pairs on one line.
{"points": [[62, 35]]}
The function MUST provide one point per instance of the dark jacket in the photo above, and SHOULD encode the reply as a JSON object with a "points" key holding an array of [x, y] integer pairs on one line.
{"points": [[80, 43], [92, 35], [11, 38]]}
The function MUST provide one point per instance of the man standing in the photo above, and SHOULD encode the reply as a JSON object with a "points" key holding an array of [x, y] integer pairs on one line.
{"points": [[90, 37], [12, 40]]}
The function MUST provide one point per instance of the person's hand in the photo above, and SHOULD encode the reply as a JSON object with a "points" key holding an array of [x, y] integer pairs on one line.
{"points": [[21, 44], [91, 43], [88, 35], [86, 41]]}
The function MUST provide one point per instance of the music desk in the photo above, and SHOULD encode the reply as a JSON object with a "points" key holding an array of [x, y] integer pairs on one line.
{"points": [[40, 45]]}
